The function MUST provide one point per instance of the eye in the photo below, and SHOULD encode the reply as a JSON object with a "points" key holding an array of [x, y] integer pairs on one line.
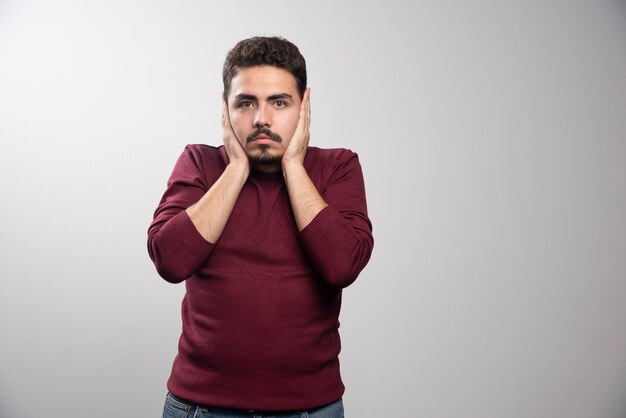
{"points": [[280, 104], [246, 104]]}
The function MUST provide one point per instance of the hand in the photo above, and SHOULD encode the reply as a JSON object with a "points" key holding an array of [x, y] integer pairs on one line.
{"points": [[296, 150], [234, 149]]}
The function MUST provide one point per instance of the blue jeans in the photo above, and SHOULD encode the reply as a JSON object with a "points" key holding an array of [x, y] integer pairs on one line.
{"points": [[179, 408]]}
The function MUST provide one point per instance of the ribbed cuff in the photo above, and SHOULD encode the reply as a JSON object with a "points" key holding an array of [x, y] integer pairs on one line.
{"points": [[191, 237], [317, 228]]}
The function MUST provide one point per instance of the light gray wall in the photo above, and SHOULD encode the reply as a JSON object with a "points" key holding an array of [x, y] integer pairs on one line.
{"points": [[493, 140]]}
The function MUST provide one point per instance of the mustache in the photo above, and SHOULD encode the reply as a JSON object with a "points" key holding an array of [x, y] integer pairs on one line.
{"points": [[263, 131]]}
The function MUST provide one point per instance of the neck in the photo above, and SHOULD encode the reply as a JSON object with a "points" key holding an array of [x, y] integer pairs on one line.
{"points": [[266, 168]]}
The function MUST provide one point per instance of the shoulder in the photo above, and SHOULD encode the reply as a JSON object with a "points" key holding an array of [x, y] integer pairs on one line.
{"points": [[204, 152], [205, 156], [321, 157], [330, 165], [202, 161]]}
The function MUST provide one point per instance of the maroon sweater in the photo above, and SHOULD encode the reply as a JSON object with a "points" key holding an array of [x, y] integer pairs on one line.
{"points": [[260, 313]]}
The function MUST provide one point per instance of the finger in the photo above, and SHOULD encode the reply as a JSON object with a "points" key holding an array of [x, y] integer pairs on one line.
{"points": [[307, 107], [307, 97], [226, 125], [306, 101], [224, 114], [305, 112]]}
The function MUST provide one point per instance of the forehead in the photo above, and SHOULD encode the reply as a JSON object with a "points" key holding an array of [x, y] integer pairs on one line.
{"points": [[263, 81]]}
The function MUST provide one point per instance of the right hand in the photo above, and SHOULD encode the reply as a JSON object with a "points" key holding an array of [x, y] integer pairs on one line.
{"points": [[234, 149]]}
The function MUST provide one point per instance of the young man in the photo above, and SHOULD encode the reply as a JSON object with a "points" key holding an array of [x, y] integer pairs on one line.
{"points": [[265, 231]]}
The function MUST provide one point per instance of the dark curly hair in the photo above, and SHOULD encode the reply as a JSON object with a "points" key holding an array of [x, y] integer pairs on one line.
{"points": [[272, 51]]}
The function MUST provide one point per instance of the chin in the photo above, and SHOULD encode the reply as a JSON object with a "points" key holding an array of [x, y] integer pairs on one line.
{"points": [[265, 157]]}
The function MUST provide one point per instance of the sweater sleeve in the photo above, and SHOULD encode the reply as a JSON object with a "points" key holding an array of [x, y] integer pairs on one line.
{"points": [[339, 239], [174, 244]]}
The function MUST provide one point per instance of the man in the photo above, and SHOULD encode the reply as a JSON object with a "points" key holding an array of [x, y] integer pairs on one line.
{"points": [[265, 231]]}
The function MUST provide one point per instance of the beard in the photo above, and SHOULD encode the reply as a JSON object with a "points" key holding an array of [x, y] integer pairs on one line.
{"points": [[265, 157]]}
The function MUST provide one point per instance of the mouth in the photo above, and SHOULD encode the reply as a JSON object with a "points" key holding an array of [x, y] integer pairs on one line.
{"points": [[263, 141]]}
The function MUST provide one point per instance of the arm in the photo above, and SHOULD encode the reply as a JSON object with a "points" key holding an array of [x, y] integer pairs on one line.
{"points": [[306, 201], [333, 223], [339, 239], [190, 218], [210, 214]]}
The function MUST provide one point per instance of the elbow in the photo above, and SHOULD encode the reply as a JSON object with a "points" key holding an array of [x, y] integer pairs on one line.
{"points": [[345, 271], [171, 275], [170, 271], [340, 280]]}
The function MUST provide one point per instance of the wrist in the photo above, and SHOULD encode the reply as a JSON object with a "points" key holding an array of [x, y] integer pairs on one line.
{"points": [[239, 165], [291, 163], [290, 168]]}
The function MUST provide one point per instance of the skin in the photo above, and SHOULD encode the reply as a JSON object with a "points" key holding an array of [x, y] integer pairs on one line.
{"points": [[261, 97], [265, 98]]}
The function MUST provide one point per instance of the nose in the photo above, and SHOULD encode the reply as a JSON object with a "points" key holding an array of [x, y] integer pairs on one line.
{"points": [[262, 118]]}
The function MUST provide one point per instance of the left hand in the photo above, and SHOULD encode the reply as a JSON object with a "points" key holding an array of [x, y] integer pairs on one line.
{"points": [[296, 150]]}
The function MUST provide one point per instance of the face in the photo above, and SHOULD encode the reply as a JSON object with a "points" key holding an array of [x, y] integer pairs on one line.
{"points": [[264, 108]]}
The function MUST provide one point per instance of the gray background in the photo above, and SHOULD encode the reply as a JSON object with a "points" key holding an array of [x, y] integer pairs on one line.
{"points": [[493, 140]]}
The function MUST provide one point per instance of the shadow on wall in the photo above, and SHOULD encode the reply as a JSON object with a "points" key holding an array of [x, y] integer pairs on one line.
{"points": [[615, 401]]}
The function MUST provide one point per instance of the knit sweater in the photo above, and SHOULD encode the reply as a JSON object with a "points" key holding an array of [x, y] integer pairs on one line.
{"points": [[261, 308]]}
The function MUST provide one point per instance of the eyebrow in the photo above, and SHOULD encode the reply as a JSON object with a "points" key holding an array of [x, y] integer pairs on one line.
{"points": [[280, 96], [245, 97]]}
